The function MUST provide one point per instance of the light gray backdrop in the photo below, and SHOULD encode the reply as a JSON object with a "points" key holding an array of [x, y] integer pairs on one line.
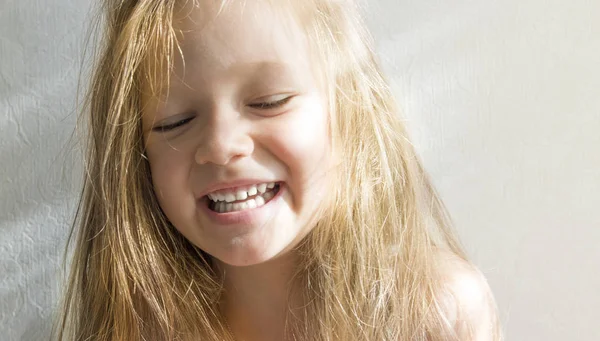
{"points": [[503, 103]]}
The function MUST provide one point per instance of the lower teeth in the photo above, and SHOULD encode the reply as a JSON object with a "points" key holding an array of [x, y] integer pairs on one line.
{"points": [[257, 201]]}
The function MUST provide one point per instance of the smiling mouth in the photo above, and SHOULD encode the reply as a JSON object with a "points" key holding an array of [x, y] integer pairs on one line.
{"points": [[256, 196]]}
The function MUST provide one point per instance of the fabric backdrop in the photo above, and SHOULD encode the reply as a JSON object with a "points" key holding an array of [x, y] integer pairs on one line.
{"points": [[501, 99]]}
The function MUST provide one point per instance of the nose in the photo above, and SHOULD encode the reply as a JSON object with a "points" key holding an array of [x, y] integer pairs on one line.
{"points": [[224, 139]]}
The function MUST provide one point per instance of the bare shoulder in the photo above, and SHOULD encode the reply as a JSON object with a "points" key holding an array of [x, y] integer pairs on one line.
{"points": [[467, 300]]}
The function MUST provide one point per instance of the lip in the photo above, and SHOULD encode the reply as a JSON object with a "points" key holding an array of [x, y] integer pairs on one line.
{"points": [[232, 185], [247, 217]]}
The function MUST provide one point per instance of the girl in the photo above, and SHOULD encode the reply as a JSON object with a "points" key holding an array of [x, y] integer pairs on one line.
{"points": [[248, 178]]}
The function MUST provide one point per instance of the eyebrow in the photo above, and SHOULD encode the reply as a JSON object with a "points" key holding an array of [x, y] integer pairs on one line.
{"points": [[274, 68], [253, 68], [268, 65]]}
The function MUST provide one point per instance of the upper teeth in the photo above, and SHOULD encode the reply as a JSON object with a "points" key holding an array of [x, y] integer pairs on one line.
{"points": [[240, 193]]}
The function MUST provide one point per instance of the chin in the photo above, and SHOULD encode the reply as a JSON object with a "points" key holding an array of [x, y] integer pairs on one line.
{"points": [[242, 254]]}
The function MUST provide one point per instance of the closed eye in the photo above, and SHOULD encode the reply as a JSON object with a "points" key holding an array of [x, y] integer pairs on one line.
{"points": [[271, 104], [172, 126]]}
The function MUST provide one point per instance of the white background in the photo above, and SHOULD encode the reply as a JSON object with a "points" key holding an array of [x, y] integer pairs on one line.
{"points": [[503, 103]]}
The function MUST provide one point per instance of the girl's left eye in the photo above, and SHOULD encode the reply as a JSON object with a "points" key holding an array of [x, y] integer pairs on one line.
{"points": [[275, 102]]}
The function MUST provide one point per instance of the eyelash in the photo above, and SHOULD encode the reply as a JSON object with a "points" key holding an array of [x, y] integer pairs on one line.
{"points": [[271, 105], [169, 127], [261, 106]]}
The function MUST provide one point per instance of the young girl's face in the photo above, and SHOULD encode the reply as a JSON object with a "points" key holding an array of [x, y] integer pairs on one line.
{"points": [[239, 148]]}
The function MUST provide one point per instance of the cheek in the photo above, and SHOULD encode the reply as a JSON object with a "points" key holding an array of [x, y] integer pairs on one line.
{"points": [[169, 171], [303, 141]]}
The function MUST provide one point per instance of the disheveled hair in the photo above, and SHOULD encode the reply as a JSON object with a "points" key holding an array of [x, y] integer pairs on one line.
{"points": [[369, 267]]}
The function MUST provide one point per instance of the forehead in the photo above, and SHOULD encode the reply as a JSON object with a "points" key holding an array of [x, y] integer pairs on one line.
{"points": [[215, 39]]}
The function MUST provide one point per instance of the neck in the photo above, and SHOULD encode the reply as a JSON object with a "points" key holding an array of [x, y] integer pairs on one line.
{"points": [[257, 298]]}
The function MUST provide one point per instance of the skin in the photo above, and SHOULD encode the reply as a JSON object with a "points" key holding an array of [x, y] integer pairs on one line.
{"points": [[235, 62]]}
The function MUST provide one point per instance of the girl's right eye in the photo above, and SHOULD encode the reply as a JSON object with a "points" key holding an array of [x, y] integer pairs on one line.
{"points": [[168, 127]]}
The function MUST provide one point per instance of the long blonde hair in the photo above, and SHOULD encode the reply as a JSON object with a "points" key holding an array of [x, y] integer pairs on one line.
{"points": [[369, 266]]}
